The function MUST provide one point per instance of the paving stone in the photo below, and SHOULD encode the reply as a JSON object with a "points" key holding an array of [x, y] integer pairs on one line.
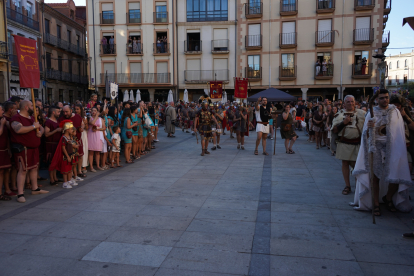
{"points": [[159, 222], [130, 254], [230, 204], [303, 218], [87, 268], [56, 247], [22, 226], [100, 218], [46, 214], [383, 253], [238, 215], [184, 200], [181, 272], [145, 236], [378, 269], [173, 211], [222, 226], [80, 231], [116, 207], [11, 241], [208, 260]]}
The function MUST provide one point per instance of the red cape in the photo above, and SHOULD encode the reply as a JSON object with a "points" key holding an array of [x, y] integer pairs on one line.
{"points": [[57, 161]]}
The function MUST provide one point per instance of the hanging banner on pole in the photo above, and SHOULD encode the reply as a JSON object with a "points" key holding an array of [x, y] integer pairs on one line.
{"points": [[29, 73], [216, 91], [240, 88]]}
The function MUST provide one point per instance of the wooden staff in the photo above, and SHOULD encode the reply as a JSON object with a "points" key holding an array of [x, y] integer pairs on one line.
{"points": [[371, 160], [34, 108]]}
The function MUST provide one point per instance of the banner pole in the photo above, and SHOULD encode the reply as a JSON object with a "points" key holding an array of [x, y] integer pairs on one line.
{"points": [[34, 108]]}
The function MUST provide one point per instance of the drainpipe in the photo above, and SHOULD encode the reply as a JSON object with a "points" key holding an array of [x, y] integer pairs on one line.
{"points": [[270, 40], [173, 42], [235, 39], [94, 39], [340, 94], [7, 50]]}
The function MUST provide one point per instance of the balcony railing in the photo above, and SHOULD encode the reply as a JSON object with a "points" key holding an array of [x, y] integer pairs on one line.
{"points": [[253, 74], [107, 18], [134, 49], [360, 5], [387, 8], [193, 46], [62, 44], [360, 71], [253, 42], [287, 40], [288, 7], [363, 36], [253, 10], [325, 38], [386, 39], [134, 17], [53, 74], [203, 76], [220, 46], [325, 6], [22, 19], [65, 76], [287, 73], [324, 71], [161, 48], [50, 39], [137, 78], [14, 60], [107, 49], [161, 17], [3, 50]]}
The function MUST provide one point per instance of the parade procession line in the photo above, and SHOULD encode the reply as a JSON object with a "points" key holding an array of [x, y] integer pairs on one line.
{"points": [[174, 212]]}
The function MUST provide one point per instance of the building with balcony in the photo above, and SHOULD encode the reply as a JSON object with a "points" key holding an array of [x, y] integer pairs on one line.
{"points": [[23, 20], [311, 48], [4, 56], [206, 45], [133, 44], [400, 70], [64, 53]]}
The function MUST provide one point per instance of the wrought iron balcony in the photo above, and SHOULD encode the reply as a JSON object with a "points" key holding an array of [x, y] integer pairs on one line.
{"points": [[387, 8], [253, 10], [53, 74], [134, 50], [14, 60], [253, 74], [363, 36], [290, 8], [253, 42], [220, 46], [161, 17], [287, 40], [385, 39], [134, 17], [137, 78], [324, 38], [107, 49], [3, 50], [361, 5], [204, 76], [325, 6], [324, 71], [22, 19], [50, 39], [360, 71], [107, 18], [287, 73], [62, 44], [193, 46], [161, 49]]}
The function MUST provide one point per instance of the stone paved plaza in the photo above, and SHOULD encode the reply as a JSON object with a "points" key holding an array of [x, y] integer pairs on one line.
{"points": [[229, 213]]}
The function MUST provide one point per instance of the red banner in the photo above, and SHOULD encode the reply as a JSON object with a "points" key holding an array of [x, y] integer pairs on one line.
{"points": [[240, 88], [29, 73], [216, 89]]}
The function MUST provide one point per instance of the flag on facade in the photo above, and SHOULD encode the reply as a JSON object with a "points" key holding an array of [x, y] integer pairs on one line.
{"points": [[240, 88], [29, 73], [216, 91]]}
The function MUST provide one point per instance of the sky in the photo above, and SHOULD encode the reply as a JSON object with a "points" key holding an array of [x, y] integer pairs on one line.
{"points": [[401, 37]]}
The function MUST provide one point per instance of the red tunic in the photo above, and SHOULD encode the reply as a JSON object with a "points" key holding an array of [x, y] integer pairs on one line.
{"points": [[59, 161], [5, 161], [53, 140], [77, 123], [29, 158]]}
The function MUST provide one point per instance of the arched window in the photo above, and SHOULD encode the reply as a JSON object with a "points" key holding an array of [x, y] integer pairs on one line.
{"points": [[406, 63], [390, 65], [398, 64]]}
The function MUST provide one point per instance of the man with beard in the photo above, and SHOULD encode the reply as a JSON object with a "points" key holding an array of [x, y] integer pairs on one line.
{"points": [[77, 123], [204, 118], [53, 133], [170, 117], [25, 140]]}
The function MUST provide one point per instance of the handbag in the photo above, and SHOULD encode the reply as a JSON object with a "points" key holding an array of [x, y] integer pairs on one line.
{"points": [[17, 148], [135, 128], [128, 134], [287, 127]]}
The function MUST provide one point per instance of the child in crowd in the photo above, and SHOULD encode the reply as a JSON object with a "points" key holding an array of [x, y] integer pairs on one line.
{"points": [[116, 146]]}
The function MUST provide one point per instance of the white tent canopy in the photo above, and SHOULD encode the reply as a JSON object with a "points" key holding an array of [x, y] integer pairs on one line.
{"points": [[131, 95], [126, 96], [138, 97], [185, 100]]}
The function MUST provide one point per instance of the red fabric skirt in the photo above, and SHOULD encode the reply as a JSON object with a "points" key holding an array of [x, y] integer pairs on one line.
{"points": [[65, 167], [50, 150], [5, 161], [29, 159]]}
